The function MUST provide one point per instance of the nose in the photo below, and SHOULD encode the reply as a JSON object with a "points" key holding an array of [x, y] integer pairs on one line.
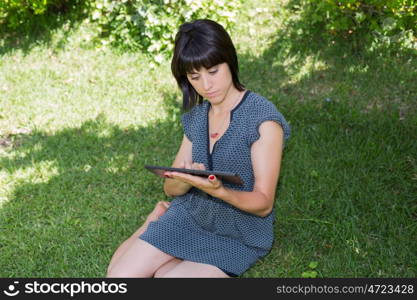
{"points": [[207, 83]]}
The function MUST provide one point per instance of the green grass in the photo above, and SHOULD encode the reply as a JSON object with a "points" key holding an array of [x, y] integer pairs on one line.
{"points": [[77, 125]]}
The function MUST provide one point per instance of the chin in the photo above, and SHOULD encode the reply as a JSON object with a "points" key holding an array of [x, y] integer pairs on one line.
{"points": [[216, 99]]}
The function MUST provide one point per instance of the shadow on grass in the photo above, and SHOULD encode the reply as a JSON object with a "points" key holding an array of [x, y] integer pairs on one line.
{"points": [[302, 67], [97, 193], [40, 30]]}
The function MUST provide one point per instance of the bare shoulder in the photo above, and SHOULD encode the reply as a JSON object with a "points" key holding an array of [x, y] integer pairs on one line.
{"points": [[266, 156], [270, 132]]}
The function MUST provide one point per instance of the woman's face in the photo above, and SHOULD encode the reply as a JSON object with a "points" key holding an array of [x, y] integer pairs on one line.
{"points": [[212, 84]]}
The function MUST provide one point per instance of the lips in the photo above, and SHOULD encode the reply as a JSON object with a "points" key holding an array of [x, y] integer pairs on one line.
{"points": [[211, 95]]}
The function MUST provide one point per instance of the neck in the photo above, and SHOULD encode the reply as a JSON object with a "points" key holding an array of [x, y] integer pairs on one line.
{"points": [[230, 101]]}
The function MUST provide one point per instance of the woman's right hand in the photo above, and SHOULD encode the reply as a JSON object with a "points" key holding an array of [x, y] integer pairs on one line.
{"points": [[194, 166], [187, 165]]}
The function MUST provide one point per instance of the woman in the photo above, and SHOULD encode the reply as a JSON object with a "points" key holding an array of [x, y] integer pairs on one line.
{"points": [[211, 228]]}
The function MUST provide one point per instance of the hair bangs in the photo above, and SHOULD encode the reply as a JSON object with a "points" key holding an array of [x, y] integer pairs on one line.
{"points": [[194, 56]]}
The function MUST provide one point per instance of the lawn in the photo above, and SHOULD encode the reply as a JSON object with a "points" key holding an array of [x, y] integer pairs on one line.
{"points": [[78, 123]]}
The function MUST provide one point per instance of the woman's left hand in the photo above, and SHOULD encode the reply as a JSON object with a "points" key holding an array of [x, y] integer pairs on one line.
{"points": [[209, 185]]}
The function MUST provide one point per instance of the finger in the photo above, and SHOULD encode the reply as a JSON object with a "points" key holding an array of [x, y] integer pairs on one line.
{"points": [[187, 165], [212, 178], [198, 166], [191, 179], [182, 177]]}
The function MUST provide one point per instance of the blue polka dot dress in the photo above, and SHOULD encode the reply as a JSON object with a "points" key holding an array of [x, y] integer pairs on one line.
{"points": [[200, 228]]}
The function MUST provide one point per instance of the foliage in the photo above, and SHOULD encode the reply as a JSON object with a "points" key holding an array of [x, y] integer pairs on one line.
{"points": [[151, 25], [382, 20], [15, 13]]}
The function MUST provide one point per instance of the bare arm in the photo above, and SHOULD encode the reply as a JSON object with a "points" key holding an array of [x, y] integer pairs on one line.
{"points": [[266, 155], [175, 187]]}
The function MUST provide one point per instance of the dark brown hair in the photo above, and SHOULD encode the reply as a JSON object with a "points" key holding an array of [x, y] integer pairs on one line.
{"points": [[201, 43]]}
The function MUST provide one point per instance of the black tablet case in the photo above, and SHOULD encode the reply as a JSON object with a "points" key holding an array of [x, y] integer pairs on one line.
{"points": [[224, 176]]}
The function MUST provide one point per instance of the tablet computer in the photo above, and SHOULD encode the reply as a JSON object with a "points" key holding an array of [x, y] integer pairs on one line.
{"points": [[223, 176]]}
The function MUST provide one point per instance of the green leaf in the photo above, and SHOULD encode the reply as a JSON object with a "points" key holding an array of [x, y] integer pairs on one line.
{"points": [[309, 274], [305, 274], [313, 274], [313, 265], [360, 17]]}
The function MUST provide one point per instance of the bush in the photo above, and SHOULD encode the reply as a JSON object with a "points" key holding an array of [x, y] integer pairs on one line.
{"points": [[386, 20], [17, 13], [151, 25]]}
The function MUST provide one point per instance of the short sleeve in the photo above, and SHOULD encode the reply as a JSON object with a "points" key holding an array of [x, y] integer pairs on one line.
{"points": [[186, 121], [267, 111]]}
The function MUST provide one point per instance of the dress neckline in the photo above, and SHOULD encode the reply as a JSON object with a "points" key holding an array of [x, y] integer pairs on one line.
{"points": [[208, 106], [234, 109]]}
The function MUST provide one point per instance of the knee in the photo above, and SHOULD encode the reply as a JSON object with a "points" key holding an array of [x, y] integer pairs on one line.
{"points": [[161, 274], [115, 272], [120, 270]]}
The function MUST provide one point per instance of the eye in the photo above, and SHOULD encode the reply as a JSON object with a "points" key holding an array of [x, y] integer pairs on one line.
{"points": [[192, 76], [213, 71]]}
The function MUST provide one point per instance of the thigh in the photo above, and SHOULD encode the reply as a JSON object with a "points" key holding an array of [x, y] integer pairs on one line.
{"points": [[122, 249], [165, 268], [140, 259], [192, 269]]}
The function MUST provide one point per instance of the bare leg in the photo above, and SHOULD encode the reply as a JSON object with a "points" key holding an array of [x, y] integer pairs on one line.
{"points": [[141, 259], [165, 268], [189, 269], [158, 211]]}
